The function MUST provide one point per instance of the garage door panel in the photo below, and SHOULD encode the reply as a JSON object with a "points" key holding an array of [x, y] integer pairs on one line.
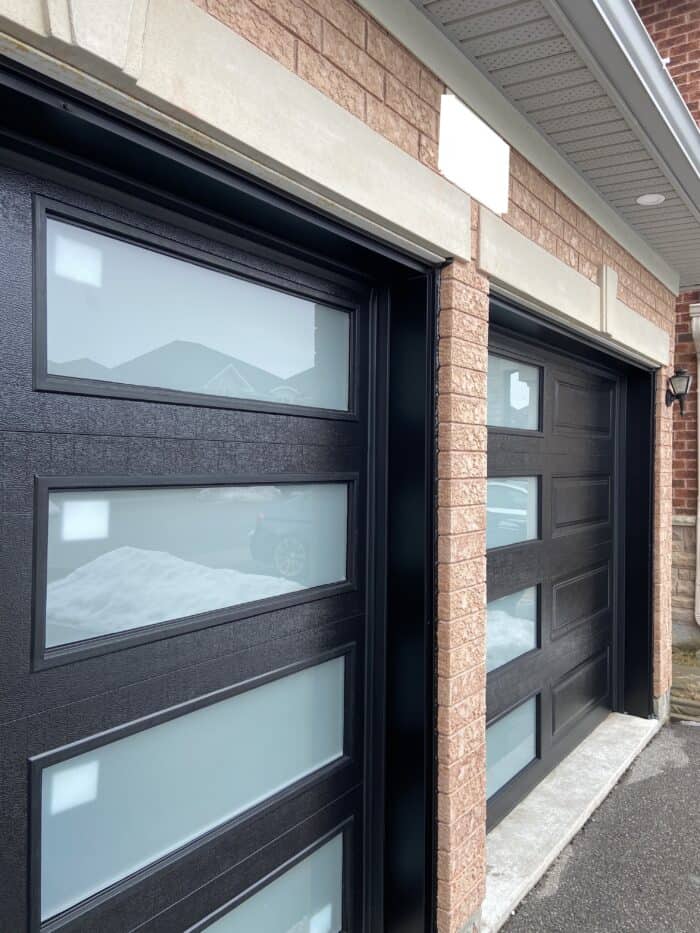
{"points": [[62, 453], [24, 305], [582, 452], [512, 684], [564, 654], [579, 691], [578, 599], [26, 411], [130, 699], [541, 667], [521, 567], [179, 497], [34, 693], [582, 406], [507, 450], [231, 888], [570, 563], [215, 865], [579, 502], [541, 560], [136, 710]]}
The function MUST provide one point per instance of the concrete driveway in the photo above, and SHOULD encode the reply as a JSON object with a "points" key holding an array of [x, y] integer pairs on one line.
{"points": [[635, 866]]}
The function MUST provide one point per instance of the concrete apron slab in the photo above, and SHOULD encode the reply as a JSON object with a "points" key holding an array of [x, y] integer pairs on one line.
{"points": [[523, 846]]}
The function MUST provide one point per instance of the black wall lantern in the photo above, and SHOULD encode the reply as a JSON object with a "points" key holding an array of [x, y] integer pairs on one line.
{"points": [[678, 388]]}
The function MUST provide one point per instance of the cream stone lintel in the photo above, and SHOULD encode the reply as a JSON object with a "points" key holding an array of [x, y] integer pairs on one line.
{"points": [[172, 65], [695, 331], [519, 267]]}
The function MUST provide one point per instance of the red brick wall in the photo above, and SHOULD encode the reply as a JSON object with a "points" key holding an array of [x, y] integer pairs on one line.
{"points": [[674, 25], [685, 433]]}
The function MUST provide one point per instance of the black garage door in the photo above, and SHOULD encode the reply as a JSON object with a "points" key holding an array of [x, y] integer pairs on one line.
{"points": [[553, 527], [185, 604]]}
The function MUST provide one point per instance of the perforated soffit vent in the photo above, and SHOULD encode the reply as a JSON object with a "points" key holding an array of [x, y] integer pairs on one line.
{"points": [[581, 73]]}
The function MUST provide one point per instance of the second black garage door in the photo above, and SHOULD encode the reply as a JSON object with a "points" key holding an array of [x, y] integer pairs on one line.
{"points": [[553, 563]]}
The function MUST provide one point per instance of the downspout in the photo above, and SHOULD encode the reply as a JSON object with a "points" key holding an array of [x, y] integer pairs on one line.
{"points": [[695, 331]]}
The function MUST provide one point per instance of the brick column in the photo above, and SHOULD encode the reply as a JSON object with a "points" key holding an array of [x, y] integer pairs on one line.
{"points": [[662, 542], [463, 326]]}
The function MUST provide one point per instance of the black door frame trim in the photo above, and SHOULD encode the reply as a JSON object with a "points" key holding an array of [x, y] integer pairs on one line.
{"points": [[43, 657]]}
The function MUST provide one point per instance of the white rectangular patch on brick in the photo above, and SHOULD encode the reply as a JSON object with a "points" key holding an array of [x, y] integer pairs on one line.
{"points": [[472, 156]]}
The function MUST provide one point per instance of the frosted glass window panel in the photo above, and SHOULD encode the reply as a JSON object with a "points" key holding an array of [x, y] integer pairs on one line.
{"points": [[119, 312], [513, 394], [511, 744], [511, 627], [113, 810], [308, 898], [512, 510], [121, 559]]}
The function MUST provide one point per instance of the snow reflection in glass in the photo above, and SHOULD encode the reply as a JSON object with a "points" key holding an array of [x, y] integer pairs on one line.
{"points": [[511, 627], [121, 559]]}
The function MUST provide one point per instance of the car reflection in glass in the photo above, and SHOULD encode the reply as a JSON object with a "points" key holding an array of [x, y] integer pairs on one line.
{"points": [[511, 511], [281, 539]]}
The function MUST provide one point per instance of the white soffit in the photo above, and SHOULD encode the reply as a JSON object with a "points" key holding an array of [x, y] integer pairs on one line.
{"points": [[513, 64], [172, 65]]}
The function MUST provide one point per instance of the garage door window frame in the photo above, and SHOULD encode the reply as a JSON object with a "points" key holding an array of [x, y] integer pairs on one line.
{"points": [[43, 657], [328, 774], [45, 381], [513, 355]]}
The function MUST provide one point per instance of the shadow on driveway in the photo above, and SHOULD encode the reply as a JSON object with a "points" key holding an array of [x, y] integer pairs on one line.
{"points": [[635, 866]]}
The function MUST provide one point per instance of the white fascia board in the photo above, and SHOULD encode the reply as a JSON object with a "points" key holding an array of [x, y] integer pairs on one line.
{"points": [[421, 36], [175, 67]]}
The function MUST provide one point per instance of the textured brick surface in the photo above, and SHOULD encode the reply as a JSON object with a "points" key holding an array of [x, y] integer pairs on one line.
{"points": [[543, 214], [463, 327], [662, 539], [335, 46]]}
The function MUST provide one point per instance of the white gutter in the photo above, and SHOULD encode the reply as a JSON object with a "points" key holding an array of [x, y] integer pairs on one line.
{"points": [[421, 36]]}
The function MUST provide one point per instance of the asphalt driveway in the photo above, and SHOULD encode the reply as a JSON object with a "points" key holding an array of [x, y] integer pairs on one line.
{"points": [[635, 866]]}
